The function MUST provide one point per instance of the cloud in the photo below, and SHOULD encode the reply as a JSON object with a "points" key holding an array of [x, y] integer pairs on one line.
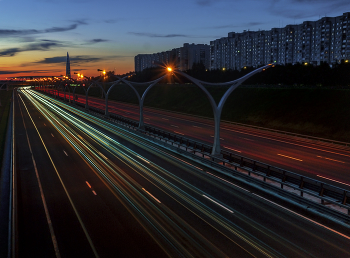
{"points": [[43, 45], [10, 52], [154, 35], [76, 59], [25, 71], [304, 9], [13, 33], [94, 41], [244, 25]]}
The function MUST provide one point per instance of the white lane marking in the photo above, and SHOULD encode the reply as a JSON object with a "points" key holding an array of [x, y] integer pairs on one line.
{"points": [[165, 118], [333, 180], [52, 135], [295, 144], [213, 137], [88, 184], [151, 195], [65, 153], [228, 182], [289, 157], [197, 126], [231, 149], [143, 159], [94, 192], [315, 222], [42, 195], [330, 159], [222, 206], [178, 133], [174, 126]]}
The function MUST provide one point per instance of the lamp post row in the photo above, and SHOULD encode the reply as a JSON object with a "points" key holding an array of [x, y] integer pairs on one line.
{"points": [[217, 108]]}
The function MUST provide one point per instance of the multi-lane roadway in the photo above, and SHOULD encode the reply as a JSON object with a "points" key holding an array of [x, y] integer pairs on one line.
{"points": [[323, 161], [89, 188]]}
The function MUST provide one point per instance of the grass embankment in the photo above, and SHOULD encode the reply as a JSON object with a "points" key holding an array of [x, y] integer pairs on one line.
{"points": [[316, 112], [5, 97]]}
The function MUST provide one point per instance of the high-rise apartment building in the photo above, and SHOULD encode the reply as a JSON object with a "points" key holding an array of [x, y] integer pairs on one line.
{"points": [[326, 40], [183, 58]]}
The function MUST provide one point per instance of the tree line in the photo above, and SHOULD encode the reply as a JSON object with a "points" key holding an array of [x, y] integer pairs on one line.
{"points": [[299, 75]]}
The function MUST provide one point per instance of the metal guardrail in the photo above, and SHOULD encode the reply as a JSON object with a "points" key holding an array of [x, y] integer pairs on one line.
{"points": [[324, 191], [327, 193]]}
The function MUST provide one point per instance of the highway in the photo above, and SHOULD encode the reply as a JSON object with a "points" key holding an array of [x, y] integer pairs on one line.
{"points": [[93, 189], [322, 161]]}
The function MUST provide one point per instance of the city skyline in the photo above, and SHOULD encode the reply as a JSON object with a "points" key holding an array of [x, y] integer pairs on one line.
{"points": [[34, 39]]}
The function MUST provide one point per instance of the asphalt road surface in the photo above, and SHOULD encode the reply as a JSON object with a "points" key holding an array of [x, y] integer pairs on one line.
{"points": [[87, 187], [322, 161]]}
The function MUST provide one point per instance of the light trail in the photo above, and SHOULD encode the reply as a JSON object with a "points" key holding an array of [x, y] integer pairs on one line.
{"points": [[189, 199], [185, 197], [222, 206], [151, 195]]}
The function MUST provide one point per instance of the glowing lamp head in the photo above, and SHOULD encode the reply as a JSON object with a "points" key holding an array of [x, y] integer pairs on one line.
{"points": [[169, 69]]}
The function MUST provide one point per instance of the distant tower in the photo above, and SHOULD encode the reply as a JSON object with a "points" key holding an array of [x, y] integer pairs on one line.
{"points": [[68, 67]]}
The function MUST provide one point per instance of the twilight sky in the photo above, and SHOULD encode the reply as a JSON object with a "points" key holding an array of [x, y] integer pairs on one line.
{"points": [[35, 35]]}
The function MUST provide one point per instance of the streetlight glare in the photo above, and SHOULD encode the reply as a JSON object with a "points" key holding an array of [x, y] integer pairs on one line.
{"points": [[169, 69]]}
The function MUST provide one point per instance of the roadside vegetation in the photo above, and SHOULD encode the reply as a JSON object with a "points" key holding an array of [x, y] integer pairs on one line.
{"points": [[5, 99]]}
